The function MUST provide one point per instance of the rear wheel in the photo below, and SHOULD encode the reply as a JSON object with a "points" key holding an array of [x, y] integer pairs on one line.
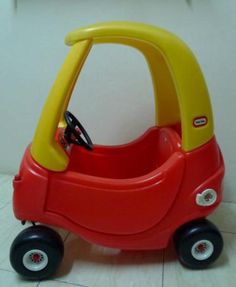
{"points": [[198, 244], [36, 252]]}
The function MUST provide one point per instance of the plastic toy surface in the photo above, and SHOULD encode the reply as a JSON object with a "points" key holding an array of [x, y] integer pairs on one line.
{"points": [[138, 195]]}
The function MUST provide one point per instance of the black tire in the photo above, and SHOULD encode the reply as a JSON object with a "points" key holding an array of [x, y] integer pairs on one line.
{"points": [[198, 244], [36, 252]]}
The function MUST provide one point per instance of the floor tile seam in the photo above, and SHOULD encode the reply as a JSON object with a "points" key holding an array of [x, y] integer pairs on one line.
{"points": [[66, 237], [228, 201], [38, 283], [70, 283], [228, 232], [7, 270], [163, 269]]}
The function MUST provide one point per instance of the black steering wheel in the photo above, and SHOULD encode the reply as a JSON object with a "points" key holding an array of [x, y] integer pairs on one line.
{"points": [[74, 130]]}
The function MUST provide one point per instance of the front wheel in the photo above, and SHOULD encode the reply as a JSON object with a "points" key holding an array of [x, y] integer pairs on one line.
{"points": [[198, 244], [36, 252]]}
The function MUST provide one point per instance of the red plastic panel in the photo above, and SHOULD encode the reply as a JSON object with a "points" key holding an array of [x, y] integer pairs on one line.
{"points": [[116, 206], [120, 205], [157, 212]]}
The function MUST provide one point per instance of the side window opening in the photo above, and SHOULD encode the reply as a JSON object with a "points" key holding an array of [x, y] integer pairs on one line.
{"points": [[113, 97]]}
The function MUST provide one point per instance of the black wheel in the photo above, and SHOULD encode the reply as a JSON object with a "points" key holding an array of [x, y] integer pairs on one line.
{"points": [[36, 252], [198, 244]]}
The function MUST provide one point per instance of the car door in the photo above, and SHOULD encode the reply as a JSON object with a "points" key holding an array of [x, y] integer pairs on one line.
{"points": [[116, 206]]}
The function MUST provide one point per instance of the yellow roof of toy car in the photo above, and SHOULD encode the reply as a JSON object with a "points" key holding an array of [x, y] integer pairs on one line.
{"points": [[181, 94]]}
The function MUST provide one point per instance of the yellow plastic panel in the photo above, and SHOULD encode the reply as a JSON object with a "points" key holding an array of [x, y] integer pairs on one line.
{"points": [[179, 86], [44, 148]]}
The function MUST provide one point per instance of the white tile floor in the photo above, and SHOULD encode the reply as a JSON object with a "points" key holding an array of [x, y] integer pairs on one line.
{"points": [[90, 265]]}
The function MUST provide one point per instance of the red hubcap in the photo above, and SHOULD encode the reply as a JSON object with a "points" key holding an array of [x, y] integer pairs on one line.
{"points": [[36, 258], [201, 248]]}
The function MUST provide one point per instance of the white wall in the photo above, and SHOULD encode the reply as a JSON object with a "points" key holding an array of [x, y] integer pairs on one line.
{"points": [[115, 97]]}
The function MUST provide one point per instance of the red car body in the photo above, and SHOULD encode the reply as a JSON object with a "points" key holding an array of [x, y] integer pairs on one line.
{"points": [[131, 196]]}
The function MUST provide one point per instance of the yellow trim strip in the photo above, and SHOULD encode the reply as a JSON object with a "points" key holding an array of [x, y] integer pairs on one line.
{"points": [[44, 148]]}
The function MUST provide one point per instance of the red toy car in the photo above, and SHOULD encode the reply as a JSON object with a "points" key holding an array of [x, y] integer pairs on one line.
{"points": [[138, 195]]}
